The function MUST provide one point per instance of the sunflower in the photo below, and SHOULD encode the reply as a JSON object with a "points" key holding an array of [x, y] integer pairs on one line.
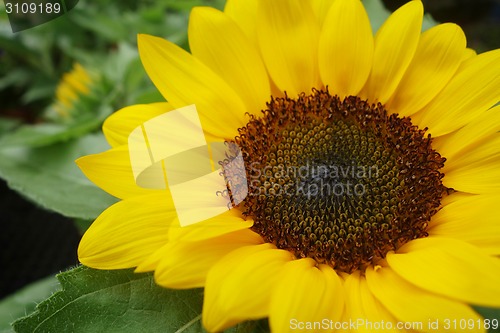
{"points": [[72, 86], [372, 162]]}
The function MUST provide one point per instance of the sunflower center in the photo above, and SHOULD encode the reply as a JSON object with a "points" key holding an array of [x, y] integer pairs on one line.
{"points": [[341, 182]]}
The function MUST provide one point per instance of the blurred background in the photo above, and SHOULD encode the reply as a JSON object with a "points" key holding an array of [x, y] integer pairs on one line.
{"points": [[60, 80], [480, 19]]}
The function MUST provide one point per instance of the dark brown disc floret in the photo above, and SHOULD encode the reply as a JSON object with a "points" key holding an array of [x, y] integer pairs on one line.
{"points": [[341, 182]]}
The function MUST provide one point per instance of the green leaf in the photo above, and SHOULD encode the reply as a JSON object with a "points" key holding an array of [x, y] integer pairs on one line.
{"points": [[15, 77], [82, 225], [491, 316], [147, 95], [114, 301], [48, 133], [7, 125], [49, 176], [24, 301], [106, 27], [44, 89], [18, 49], [34, 135], [120, 301]]}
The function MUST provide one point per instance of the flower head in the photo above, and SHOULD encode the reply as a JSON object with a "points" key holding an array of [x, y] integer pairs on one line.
{"points": [[73, 85], [372, 164]]}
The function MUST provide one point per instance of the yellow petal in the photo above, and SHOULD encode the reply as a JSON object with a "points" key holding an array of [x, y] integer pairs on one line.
{"points": [[473, 89], [395, 45], [481, 152], [471, 219], [346, 48], [364, 308], [449, 267], [305, 293], [78, 79], [344, 328], [455, 196], [244, 13], [288, 35], [239, 287], [184, 80], [120, 124], [480, 177], [225, 223], [186, 264], [321, 8], [112, 172], [150, 263], [480, 130], [219, 43], [416, 307], [438, 55], [469, 53], [127, 232], [213, 320]]}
